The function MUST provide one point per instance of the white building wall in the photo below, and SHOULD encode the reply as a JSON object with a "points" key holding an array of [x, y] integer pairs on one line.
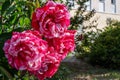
{"points": [[94, 4], [118, 6], [108, 12], [109, 8], [103, 16], [102, 19]]}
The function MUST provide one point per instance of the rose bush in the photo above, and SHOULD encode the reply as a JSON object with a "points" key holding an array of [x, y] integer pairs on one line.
{"points": [[58, 50], [41, 50], [26, 50], [52, 20]]}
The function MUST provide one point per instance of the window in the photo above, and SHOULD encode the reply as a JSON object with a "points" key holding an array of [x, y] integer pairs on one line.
{"points": [[113, 9], [112, 1], [101, 6], [113, 6], [88, 4], [101, 0]]}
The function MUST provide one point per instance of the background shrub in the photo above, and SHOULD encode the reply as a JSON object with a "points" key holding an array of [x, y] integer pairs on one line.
{"points": [[105, 50]]}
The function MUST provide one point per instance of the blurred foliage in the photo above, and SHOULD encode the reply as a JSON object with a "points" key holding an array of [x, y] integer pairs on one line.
{"points": [[81, 15], [101, 47], [83, 49], [15, 15], [105, 51]]}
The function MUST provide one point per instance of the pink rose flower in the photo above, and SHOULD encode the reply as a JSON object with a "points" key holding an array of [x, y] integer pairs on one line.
{"points": [[49, 66], [52, 20], [63, 45], [25, 50]]}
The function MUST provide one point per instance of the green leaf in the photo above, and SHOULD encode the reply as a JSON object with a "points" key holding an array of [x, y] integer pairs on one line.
{"points": [[5, 5], [12, 18], [24, 21], [26, 78], [21, 20], [37, 4], [5, 72], [27, 21], [10, 9]]}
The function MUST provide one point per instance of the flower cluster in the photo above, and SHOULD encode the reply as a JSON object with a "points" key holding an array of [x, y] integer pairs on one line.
{"points": [[52, 20], [41, 50], [25, 50]]}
